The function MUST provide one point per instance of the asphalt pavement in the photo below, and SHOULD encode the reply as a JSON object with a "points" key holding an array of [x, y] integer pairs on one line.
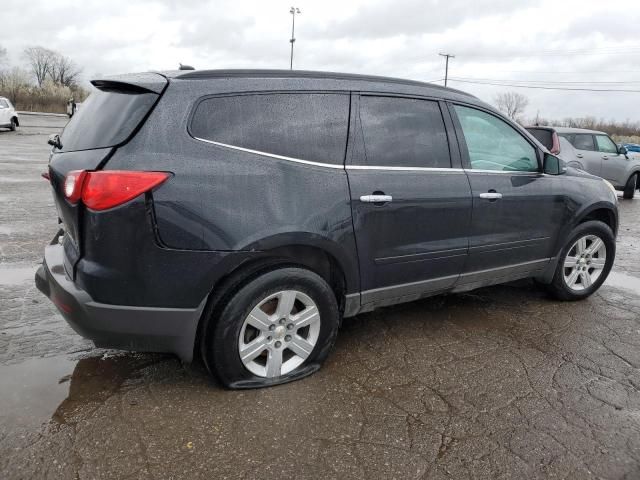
{"points": [[501, 382]]}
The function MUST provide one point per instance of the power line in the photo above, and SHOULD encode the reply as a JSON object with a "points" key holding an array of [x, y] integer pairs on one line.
{"points": [[550, 82], [561, 53], [541, 87]]}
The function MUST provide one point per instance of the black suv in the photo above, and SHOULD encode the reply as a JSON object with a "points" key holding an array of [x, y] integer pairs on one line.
{"points": [[240, 215]]}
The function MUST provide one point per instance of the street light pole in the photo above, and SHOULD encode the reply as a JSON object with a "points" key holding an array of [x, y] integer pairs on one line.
{"points": [[293, 11], [446, 68]]}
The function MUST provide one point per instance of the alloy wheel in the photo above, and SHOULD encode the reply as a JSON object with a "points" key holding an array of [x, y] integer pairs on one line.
{"points": [[584, 262], [279, 334]]}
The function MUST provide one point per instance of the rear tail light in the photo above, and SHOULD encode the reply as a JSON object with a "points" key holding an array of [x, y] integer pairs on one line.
{"points": [[555, 145], [109, 188]]}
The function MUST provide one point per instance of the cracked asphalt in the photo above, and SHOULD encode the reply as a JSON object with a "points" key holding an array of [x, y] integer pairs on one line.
{"points": [[501, 382]]}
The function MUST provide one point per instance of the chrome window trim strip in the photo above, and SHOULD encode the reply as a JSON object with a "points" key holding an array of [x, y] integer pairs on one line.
{"points": [[362, 167], [272, 155], [405, 169]]}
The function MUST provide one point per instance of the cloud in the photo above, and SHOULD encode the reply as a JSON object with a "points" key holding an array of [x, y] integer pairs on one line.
{"points": [[500, 39]]}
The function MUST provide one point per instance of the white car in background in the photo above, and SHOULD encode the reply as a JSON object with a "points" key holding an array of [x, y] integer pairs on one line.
{"points": [[8, 115]]}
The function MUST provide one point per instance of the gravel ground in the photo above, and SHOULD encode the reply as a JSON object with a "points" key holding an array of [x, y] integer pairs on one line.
{"points": [[501, 382]]}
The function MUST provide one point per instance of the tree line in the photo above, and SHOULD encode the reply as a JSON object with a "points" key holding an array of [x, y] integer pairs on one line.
{"points": [[513, 104], [46, 80]]}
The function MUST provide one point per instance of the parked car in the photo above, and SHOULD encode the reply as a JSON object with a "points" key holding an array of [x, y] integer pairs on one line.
{"points": [[240, 215], [632, 147], [594, 152], [8, 115]]}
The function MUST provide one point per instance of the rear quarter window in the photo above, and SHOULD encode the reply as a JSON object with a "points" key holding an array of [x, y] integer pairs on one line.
{"points": [[306, 126], [544, 136]]}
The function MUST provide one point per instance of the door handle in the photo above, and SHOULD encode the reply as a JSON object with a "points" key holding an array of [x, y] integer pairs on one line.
{"points": [[579, 155], [376, 198], [491, 196]]}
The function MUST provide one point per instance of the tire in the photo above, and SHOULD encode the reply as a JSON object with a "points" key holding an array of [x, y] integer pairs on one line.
{"points": [[230, 331], [630, 187], [563, 276], [13, 125]]}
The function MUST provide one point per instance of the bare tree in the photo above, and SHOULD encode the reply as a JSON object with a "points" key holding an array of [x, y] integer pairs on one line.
{"points": [[63, 71], [512, 104], [3, 56], [40, 60]]}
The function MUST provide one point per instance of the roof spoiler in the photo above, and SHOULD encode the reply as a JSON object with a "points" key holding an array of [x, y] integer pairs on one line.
{"points": [[136, 82]]}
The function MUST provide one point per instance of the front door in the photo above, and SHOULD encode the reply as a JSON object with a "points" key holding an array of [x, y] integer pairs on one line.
{"points": [[517, 210], [614, 165], [411, 209]]}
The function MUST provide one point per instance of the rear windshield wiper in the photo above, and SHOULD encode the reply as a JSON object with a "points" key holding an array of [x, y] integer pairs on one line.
{"points": [[54, 140]]}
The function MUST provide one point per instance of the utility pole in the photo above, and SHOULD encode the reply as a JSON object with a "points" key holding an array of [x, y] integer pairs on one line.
{"points": [[447, 56], [293, 11]]}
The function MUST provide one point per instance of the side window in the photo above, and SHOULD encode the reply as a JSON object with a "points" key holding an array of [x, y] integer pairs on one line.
{"points": [[306, 126], [3, 103], [605, 144], [403, 132], [583, 141], [493, 144]]}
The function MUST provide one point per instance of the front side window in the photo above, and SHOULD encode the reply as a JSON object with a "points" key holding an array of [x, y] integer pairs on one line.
{"points": [[582, 141], [493, 144], [3, 103], [306, 126], [605, 144], [403, 132]]}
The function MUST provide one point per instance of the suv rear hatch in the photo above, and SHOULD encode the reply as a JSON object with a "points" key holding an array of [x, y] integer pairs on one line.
{"points": [[107, 119]]}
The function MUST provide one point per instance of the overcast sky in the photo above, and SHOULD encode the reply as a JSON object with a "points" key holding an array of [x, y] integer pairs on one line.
{"points": [[506, 40]]}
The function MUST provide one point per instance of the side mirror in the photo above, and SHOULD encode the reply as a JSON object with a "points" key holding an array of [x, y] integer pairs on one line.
{"points": [[622, 150], [553, 165]]}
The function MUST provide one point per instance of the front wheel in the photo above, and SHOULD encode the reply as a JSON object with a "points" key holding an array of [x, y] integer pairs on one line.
{"points": [[585, 261], [277, 328], [630, 187], [13, 125]]}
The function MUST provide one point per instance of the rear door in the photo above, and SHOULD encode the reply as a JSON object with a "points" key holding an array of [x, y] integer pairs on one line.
{"points": [[586, 152], [410, 199], [614, 165], [516, 210]]}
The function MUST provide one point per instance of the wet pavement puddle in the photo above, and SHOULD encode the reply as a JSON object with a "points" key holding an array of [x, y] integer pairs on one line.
{"points": [[623, 281], [31, 391]]}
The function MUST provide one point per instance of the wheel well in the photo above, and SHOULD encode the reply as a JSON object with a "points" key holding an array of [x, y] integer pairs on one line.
{"points": [[310, 258], [602, 215]]}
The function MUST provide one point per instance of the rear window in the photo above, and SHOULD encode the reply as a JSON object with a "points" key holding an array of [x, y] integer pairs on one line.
{"points": [[403, 132], [106, 119], [543, 135], [581, 141], [306, 126]]}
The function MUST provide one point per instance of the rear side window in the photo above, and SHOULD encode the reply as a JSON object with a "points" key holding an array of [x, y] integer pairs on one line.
{"points": [[107, 118], [306, 126], [544, 136], [403, 132], [582, 141]]}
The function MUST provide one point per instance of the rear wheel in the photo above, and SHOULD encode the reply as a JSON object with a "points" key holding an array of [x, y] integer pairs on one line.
{"points": [[585, 262], [277, 328], [630, 187]]}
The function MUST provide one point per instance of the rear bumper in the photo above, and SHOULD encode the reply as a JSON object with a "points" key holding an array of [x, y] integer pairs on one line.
{"points": [[145, 329]]}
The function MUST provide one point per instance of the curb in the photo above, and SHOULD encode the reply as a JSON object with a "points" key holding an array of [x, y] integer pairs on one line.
{"points": [[43, 114]]}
